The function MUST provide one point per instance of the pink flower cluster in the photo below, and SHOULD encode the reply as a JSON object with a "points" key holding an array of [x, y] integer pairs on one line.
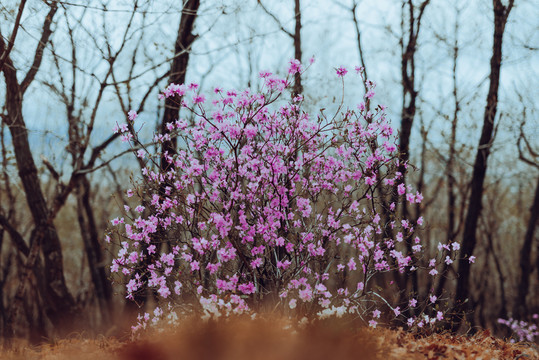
{"points": [[266, 201], [522, 330]]}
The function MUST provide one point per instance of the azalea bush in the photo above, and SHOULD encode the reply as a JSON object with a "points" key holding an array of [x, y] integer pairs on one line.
{"points": [[522, 330], [266, 206]]}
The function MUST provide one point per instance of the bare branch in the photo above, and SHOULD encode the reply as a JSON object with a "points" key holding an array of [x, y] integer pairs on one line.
{"points": [[11, 41], [45, 35], [275, 19], [14, 235], [522, 138]]}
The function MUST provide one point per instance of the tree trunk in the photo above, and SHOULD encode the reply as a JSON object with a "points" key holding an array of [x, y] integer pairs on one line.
{"points": [[409, 96], [61, 308], [501, 13], [451, 232], [520, 309], [90, 237], [178, 69], [298, 87]]}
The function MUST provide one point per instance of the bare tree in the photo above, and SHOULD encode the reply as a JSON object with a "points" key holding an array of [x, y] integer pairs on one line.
{"points": [[501, 13], [521, 309], [454, 218], [408, 42], [353, 9], [296, 39], [13, 36], [178, 69], [60, 305]]}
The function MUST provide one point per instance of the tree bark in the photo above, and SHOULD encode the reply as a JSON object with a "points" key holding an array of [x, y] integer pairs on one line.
{"points": [[409, 96], [298, 87], [501, 13], [61, 307], [90, 237], [520, 309], [178, 69], [451, 232]]}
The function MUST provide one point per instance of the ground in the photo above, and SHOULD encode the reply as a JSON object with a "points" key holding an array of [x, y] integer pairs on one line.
{"points": [[276, 339]]}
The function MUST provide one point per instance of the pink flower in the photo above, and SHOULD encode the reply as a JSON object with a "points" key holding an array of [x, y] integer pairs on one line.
{"points": [[247, 288], [132, 115], [341, 71], [471, 259], [256, 263], [117, 221], [295, 67], [164, 291], [283, 264], [132, 285], [252, 185], [199, 99], [292, 303], [361, 106], [304, 206], [177, 287], [306, 294], [440, 316]]}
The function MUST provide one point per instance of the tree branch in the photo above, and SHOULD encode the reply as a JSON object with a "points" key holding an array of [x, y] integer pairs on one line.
{"points": [[275, 19], [45, 35], [11, 41]]}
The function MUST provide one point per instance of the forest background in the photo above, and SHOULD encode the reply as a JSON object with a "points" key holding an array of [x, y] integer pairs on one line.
{"points": [[459, 79]]}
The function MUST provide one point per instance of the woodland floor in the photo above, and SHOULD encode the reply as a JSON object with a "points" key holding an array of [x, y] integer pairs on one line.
{"points": [[275, 339]]}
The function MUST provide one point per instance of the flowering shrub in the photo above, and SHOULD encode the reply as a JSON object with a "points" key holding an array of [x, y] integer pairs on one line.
{"points": [[522, 330], [266, 206]]}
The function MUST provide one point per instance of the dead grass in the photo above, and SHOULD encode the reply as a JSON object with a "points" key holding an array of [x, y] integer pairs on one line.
{"points": [[266, 339]]}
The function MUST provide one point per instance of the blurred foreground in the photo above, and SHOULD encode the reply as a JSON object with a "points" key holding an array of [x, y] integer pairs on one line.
{"points": [[277, 339]]}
